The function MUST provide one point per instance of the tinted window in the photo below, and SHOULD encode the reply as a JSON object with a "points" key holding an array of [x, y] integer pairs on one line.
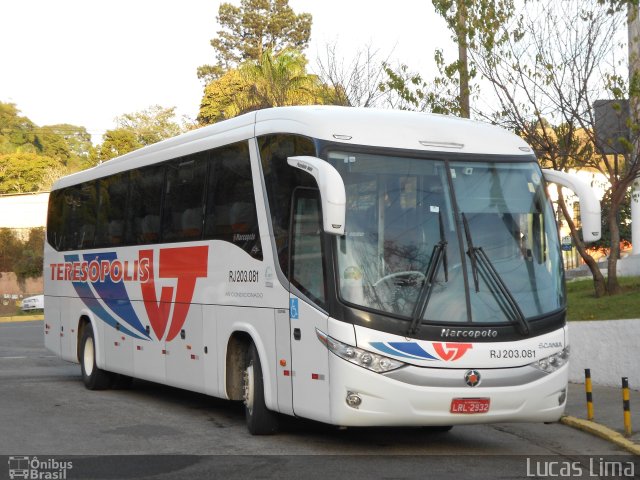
{"points": [[183, 211], [281, 179], [307, 271], [55, 220], [145, 207], [231, 207], [80, 216], [114, 192], [171, 202]]}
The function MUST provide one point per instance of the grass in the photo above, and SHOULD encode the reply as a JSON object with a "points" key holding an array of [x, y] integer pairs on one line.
{"points": [[583, 305]]}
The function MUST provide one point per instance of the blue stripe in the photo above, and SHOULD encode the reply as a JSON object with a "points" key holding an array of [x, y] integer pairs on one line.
{"points": [[88, 298], [404, 350]]}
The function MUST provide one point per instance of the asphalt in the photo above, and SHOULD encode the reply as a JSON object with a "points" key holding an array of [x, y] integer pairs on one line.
{"points": [[608, 413]]}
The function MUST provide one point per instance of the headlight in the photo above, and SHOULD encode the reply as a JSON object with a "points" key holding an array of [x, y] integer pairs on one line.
{"points": [[362, 358], [552, 362]]}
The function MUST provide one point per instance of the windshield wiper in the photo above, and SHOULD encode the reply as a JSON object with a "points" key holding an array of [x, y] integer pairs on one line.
{"points": [[471, 252], [438, 257], [480, 259]]}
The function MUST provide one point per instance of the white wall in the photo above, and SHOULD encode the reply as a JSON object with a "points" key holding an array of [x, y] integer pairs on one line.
{"points": [[610, 348], [23, 211]]}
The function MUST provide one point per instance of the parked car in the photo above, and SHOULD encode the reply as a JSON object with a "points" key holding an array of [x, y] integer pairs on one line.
{"points": [[33, 303]]}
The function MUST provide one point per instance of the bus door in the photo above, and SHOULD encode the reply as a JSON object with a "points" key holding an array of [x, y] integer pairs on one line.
{"points": [[307, 302]]}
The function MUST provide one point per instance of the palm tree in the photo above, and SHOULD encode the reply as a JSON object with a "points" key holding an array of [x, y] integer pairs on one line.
{"points": [[279, 80], [276, 80]]}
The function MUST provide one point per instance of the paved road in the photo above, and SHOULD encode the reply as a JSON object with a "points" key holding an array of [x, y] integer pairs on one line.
{"points": [[45, 411]]}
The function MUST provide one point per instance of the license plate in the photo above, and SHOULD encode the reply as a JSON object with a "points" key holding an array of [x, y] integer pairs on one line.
{"points": [[470, 405]]}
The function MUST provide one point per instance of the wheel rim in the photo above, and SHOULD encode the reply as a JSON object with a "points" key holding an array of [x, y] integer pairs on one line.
{"points": [[248, 388], [88, 356]]}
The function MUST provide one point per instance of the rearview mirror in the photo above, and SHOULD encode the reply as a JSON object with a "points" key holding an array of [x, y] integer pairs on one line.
{"points": [[589, 204], [332, 192]]}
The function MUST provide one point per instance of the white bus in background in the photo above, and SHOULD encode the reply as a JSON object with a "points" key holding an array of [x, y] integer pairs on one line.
{"points": [[350, 266]]}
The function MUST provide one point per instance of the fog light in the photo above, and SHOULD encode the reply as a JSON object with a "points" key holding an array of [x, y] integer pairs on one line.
{"points": [[353, 399], [562, 397]]}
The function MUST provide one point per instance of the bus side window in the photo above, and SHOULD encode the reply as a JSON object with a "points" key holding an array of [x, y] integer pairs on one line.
{"points": [[307, 272], [280, 180], [113, 191], [182, 213], [231, 206], [79, 216], [145, 202], [55, 220]]}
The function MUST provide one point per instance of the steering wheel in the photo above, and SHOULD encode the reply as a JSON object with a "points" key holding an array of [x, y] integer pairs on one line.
{"points": [[396, 275]]}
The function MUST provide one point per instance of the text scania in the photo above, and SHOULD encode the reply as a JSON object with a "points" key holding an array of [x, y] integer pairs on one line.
{"points": [[100, 270], [452, 333]]}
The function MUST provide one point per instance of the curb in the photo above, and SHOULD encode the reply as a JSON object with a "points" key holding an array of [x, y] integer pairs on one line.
{"points": [[602, 432], [21, 318]]}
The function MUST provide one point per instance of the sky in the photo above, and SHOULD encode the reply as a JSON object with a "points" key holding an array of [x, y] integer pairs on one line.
{"points": [[85, 62]]}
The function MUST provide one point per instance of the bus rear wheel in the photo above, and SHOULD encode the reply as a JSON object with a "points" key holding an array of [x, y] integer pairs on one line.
{"points": [[260, 420], [94, 378]]}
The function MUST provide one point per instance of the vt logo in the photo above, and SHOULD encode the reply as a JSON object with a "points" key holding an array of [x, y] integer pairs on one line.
{"points": [[185, 264], [451, 351]]}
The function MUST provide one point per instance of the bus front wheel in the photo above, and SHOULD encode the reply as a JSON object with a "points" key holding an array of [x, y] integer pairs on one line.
{"points": [[260, 420], [93, 377]]}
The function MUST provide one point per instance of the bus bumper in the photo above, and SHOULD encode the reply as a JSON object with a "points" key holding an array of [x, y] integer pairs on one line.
{"points": [[386, 401]]}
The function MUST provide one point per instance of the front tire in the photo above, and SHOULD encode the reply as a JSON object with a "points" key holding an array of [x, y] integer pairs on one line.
{"points": [[94, 378], [260, 420]]}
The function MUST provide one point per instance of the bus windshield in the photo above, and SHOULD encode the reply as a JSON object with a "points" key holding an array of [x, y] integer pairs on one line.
{"points": [[444, 241]]}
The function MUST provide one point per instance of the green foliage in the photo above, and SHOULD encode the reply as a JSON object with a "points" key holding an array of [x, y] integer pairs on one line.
{"points": [[623, 220], [117, 142], [33, 157], [223, 98], [67, 144], [29, 263], [25, 172], [22, 257], [474, 24], [274, 81], [10, 247], [136, 130], [16, 132], [416, 94], [151, 125], [251, 29]]}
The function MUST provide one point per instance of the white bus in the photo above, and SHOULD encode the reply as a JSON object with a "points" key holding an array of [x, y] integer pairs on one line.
{"points": [[350, 266]]}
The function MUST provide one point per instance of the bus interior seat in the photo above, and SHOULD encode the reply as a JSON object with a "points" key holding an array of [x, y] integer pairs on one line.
{"points": [[150, 228], [191, 223]]}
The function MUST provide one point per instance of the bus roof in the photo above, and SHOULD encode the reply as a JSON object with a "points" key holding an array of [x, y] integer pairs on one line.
{"points": [[348, 125]]}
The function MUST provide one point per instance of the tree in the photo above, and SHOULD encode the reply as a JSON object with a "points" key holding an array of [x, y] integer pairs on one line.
{"points": [[79, 147], [29, 262], [551, 64], [276, 80], [70, 145], [15, 131], [24, 172], [250, 30], [224, 98], [474, 24], [136, 130], [279, 80], [9, 249], [359, 83], [117, 142]]}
